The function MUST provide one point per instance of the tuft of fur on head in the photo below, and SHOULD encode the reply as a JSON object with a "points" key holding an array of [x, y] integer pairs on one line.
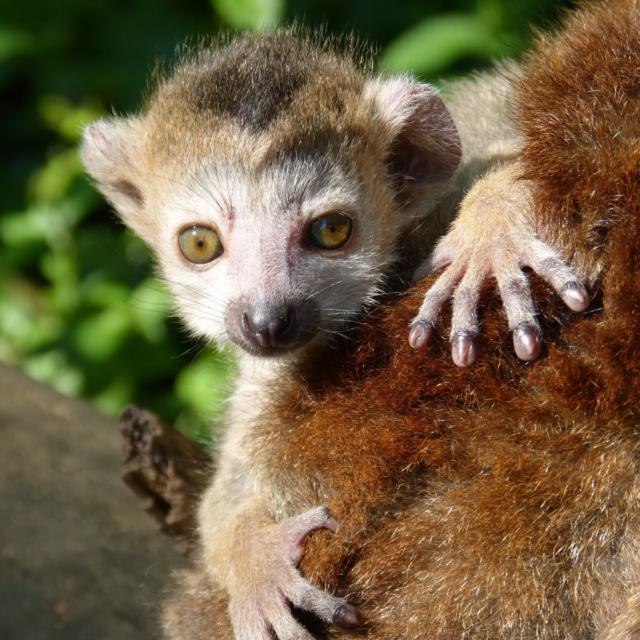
{"points": [[255, 139]]}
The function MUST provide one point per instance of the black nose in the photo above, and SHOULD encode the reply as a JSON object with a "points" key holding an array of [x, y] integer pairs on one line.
{"points": [[268, 327]]}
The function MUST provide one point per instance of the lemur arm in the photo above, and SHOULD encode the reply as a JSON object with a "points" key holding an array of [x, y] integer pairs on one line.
{"points": [[254, 558]]}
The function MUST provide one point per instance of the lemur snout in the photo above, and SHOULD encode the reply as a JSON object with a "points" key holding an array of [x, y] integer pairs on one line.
{"points": [[269, 327]]}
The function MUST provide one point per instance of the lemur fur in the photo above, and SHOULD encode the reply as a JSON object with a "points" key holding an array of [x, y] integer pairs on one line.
{"points": [[239, 161], [501, 501]]}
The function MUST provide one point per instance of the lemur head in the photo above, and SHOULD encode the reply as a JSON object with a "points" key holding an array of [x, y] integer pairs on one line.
{"points": [[274, 180]]}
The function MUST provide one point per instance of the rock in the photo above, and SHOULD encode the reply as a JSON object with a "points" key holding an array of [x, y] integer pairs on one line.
{"points": [[79, 559]]}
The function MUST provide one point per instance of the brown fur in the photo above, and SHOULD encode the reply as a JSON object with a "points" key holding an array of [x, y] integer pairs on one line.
{"points": [[501, 501], [289, 84]]}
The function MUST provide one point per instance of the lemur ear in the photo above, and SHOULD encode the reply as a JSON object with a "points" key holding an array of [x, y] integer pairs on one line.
{"points": [[425, 147], [108, 154]]}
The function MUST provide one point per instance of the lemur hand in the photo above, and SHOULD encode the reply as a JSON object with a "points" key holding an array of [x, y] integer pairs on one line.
{"points": [[493, 235], [263, 581]]}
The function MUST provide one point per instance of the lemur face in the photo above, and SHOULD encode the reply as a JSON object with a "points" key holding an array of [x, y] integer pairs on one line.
{"points": [[271, 257], [273, 180]]}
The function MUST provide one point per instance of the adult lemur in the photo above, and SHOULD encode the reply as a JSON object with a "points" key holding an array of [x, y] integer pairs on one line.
{"points": [[298, 203]]}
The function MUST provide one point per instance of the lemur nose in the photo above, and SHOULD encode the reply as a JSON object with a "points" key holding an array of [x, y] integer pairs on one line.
{"points": [[269, 327]]}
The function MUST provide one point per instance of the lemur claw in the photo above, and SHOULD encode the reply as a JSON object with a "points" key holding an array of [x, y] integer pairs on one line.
{"points": [[463, 348], [346, 616], [419, 334], [575, 296], [527, 341]]}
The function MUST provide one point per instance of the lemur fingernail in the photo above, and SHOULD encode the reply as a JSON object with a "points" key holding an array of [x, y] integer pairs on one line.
{"points": [[527, 342], [463, 349], [419, 334], [346, 615], [575, 296], [331, 524]]}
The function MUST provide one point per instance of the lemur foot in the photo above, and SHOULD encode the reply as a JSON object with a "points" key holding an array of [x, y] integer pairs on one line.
{"points": [[267, 582], [493, 236]]}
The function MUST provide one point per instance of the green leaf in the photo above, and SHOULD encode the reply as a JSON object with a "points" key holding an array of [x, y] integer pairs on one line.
{"points": [[53, 368], [26, 323], [150, 304], [250, 14], [204, 384], [435, 44], [25, 227], [52, 223], [14, 42], [100, 335], [195, 426], [52, 182], [107, 294], [112, 399], [61, 269], [66, 119]]}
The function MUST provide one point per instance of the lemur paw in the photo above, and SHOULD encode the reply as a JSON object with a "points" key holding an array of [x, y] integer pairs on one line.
{"points": [[478, 248], [268, 583]]}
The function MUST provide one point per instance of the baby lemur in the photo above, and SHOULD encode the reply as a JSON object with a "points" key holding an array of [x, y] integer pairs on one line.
{"points": [[501, 501], [283, 188]]}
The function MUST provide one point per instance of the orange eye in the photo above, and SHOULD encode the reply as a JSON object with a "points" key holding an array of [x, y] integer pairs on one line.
{"points": [[330, 231], [200, 244]]}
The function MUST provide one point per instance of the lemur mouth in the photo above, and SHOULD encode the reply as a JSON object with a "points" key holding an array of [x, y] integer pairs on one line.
{"points": [[271, 330], [271, 351]]}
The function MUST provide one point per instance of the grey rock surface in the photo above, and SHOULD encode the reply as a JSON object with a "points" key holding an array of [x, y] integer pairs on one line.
{"points": [[79, 559]]}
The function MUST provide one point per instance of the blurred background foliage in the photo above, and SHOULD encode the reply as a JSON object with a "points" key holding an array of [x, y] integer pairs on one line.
{"points": [[79, 306]]}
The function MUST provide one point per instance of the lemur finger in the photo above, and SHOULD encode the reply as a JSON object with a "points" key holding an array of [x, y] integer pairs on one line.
{"points": [[441, 256], [301, 525], [297, 528], [247, 621], [422, 325], [518, 305], [464, 318], [327, 607], [284, 624], [548, 265]]}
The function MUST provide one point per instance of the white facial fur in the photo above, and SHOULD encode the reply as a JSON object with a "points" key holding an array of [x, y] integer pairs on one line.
{"points": [[261, 217]]}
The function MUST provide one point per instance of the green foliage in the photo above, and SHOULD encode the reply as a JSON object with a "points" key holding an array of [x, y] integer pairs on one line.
{"points": [[250, 14], [436, 43], [79, 306]]}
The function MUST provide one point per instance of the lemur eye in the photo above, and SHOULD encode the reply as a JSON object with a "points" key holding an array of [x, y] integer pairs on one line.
{"points": [[330, 231], [200, 244]]}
